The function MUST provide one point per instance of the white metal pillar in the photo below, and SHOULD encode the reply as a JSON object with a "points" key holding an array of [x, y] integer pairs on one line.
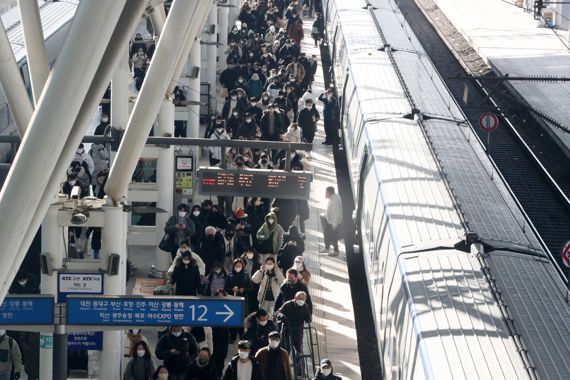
{"points": [[53, 244], [124, 30], [113, 241], [36, 53], [223, 15], [13, 85], [120, 92], [51, 125], [164, 180], [234, 12], [193, 123], [181, 21], [212, 50]]}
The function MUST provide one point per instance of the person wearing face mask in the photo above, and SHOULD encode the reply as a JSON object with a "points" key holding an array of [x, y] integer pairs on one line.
{"points": [[250, 259], [140, 366], [254, 110], [216, 280], [177, 349], [230, 105], [269, 236], [196, 217], [185, 249], [264, 162], [238, 284], [307, 119], [179, 227], [243, 366], [161, 373], [186, 276], [135, 336], [274, 360], [10, 357], [212, 248], [215, 153], [258, 327], [248, 128], [296, 70], [290, 288], [271, 124], [293, 316], [304, 275], [255, 86], [325, 371], [100, 157], [203, 368], [102, 126], [234, 247], [269, 279]]}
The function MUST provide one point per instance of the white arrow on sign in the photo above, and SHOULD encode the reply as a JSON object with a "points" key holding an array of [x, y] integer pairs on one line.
{"points": [[230, 313]]}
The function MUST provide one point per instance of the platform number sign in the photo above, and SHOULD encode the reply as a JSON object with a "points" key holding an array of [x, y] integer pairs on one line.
{"points": [[488, 121], [566, 255]]}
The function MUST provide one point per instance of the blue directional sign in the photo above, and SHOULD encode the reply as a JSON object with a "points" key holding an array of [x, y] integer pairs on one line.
{"points": [[26, 310], [155, 311]]}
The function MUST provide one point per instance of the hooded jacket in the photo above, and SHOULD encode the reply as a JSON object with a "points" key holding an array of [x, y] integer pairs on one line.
{"points": [[274, 230]]}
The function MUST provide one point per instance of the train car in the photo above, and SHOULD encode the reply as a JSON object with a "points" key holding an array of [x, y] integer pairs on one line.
{"points": [[459, 284], [56, 18]]}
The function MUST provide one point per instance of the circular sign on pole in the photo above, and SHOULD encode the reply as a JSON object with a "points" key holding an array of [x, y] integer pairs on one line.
{"points": [[565, 255], [488, 121]]}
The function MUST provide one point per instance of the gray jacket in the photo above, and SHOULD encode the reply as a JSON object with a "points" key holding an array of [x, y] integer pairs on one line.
{"points": [[10, 356]]}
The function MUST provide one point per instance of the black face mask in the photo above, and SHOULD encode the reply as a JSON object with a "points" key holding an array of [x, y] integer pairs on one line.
{"points": [[209, 237]]}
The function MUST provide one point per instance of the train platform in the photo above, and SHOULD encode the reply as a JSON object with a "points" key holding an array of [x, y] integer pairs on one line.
{"points": [[333, 318], [511, 41]]}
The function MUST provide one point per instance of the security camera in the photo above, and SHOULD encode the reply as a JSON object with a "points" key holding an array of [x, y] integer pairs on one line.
{"points": [[75, 192]]}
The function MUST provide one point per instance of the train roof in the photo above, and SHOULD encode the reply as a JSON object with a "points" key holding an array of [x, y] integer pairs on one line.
{"points": [[454, 308], [414, 162], [54, 15]]}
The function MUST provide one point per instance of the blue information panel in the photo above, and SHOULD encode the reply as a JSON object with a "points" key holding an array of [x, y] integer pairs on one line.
{"points": [[85, 341], [155, 311], [26, 310]]}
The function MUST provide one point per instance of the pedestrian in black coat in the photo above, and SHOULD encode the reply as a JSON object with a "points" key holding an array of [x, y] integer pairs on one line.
{"points": [[186, 276], [203, 368], [177, 349]]}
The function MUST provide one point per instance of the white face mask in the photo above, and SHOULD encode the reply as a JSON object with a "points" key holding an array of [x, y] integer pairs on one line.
{"points": [[269, 266], [105, 119], [186, 262], [299, 266], [270, 220], [182, 214], [274, 344], [177, 334], [326, 371], [141, 353], [196, 213], [249, 256], [243, 354], [135, 331], [300, 302], [262, 323], [237, 269], [23, 282], [2, 332], [72, 182], [162, 376]]}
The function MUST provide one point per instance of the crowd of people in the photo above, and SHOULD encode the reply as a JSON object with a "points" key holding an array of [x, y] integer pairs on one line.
{"points": [[252, 247]]}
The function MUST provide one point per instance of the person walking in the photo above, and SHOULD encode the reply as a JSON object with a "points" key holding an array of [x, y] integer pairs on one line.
{"points": [[10, 357], [186, 276], [179, 227], [141, 365], [325, 371], [269, 279], [243, 366], [178, 349], [274, 360], [203, 368], [331, 221]]}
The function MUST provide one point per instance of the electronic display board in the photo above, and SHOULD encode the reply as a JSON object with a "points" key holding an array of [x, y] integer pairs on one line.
{"points": [[255, 182]]}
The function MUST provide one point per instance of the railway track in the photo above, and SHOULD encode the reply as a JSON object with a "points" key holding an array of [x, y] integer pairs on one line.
{"points": [[533, 165]]}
